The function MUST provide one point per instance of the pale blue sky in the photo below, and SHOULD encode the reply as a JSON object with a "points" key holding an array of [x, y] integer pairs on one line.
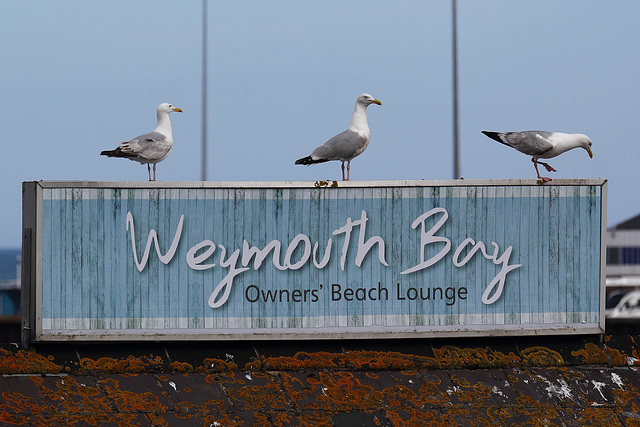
{"points": [[79, 77]]}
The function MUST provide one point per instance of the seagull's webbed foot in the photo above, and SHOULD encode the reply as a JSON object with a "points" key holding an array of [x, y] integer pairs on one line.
{"points": [[548, 167], [542, 179]]}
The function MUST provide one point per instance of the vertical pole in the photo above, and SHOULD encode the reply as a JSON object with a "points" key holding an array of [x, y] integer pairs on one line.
{"points": [[456, 138], [27, 290], [28, 276], [204, 90]]}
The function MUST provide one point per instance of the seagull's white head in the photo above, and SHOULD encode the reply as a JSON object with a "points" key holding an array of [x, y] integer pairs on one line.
{"points": [[365, 99], [585, 143], [167, 108]]}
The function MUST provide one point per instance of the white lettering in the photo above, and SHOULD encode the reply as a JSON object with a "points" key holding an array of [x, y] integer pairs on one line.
{"points": [[427, 238], [365, 247], [194, 261], [227, 283], [503, 260], [292, 247], [347, 237], [153, 238], [261, 255], [500, 278], [237, 265], [325, 258]]}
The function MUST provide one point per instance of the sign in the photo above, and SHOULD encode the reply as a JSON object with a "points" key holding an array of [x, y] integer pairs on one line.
{"points": [[273, 260]]}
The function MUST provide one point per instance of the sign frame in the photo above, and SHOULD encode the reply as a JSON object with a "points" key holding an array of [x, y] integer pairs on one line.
{"points": [[32, 277]]}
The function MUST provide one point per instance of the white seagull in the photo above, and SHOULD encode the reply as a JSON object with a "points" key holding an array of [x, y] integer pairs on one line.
{"points": [[348, 144], [542, 145], [152, 147]]}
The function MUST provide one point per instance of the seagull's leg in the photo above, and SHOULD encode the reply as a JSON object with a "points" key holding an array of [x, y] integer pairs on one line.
{"points": [[342, 166], [154, 171], [348, 170], [149, 170], [541, 179], [548, 167]]}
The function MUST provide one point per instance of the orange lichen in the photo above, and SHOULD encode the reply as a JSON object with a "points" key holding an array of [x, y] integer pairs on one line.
{"points": [[624, 397], [315, 419], [216, 365], [26, 362], [451, 357], [359, 360], [302, 360], [602, 417], [181, 367], [502, 360], [389, 360], [129, 366], [541, 356], [616, 357], [417, 418], [156, 420], [256, 398], [592, 355], [319, 388]]}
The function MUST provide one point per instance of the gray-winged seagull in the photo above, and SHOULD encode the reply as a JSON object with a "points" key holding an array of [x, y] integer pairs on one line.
{"points": [[348, 144], [152, 147], [542, 145]]}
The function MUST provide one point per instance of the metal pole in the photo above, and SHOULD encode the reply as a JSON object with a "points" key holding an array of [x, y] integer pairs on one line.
{"points": [[204, 90], [456, 138]]}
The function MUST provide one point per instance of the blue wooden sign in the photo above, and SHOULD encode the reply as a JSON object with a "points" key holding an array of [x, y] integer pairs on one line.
{"points": [[269, 260]]}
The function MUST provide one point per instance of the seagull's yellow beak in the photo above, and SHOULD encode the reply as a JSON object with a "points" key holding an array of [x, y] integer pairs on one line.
{"points": [[377, 101], [177, 109], [590, 153]]}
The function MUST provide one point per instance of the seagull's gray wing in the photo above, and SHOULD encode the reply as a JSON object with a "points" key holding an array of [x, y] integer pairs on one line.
{"points": [[344, 146], [150, 146], [533, 143], [150, 137]]}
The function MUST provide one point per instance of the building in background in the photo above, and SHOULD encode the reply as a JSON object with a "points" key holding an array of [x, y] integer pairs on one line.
{"points": [[623, 274], [9, 295]]}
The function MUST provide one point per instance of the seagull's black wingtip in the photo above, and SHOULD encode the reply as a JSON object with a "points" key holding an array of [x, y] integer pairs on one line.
{"points": [[309, 161], [304, 161], [493, 135]]}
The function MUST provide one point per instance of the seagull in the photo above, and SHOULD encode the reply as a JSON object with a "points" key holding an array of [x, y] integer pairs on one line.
{"points": [[151, 147], [348, 144], [542, 145]]}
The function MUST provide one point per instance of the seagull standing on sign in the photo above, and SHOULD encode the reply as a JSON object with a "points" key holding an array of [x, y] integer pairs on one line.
{"points": [[542, 145], [348, 144], [152, 147]]}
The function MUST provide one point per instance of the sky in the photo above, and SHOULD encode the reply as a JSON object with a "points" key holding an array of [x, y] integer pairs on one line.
{"points": [[79, 77]]}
